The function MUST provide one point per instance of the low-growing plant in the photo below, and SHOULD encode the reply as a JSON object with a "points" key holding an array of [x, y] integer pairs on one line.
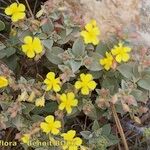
{"points": [[64, 87]]}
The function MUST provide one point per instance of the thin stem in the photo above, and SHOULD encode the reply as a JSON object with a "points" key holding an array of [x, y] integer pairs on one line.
{"points": [[17, 1], [118, 124], [32, 15]]}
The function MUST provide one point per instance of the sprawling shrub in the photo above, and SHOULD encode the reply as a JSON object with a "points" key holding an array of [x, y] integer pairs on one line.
{"points": [[61, 86]]}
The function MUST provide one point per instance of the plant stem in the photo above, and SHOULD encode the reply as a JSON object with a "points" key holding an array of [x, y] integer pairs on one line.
{"points": [[32, 15], [118, 124]]}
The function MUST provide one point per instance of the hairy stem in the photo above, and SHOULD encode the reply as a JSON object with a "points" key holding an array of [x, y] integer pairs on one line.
{"points": [[32, 15], [118, 124]]}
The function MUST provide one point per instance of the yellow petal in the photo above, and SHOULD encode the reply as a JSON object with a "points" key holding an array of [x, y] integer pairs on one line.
{"points": [[78, 84], [8, 11], [56, 88], [51, 75], [37, 45], [3, 82], [49, 119], [11, 9], [21, 7], [118, 58], [70, 95], [69, 135], [125, 57], [82, 76], [69, 110], [77, 141], [55, 131], [102, 61], [89, 27], [49, 87], [85, 91], [17, 16], [28, 40], [61, 106], [88, 77], [25, 138], [57, 124], [127, 49], [107, 67], [96, 31], [45, 127], [92, 85], [74, 102], [95, 41], [30, 53], [25, 48], [73, 147]]}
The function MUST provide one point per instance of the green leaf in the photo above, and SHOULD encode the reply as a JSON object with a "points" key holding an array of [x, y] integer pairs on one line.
{"points": [[75, 65], [48, 27], [95, 125], [28, 108], [126, 70], [2, 25], [111, 83], [106, 129], [78, 48], [49, 108], [144, 83], [101, 48], [48, 43], [138, 94], [92, 62], [86, 134], [53, 55], [10, 51]]}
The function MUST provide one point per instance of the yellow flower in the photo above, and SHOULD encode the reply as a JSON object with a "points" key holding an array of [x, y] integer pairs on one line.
{"points": [[50, 125], [67, 102], [86, 83], [107, 62], [52, 82], [25, 138], [71, 142], [121, 52], [16, 11], [3, 82], [40, 102], [32, 46], [91, 32]]}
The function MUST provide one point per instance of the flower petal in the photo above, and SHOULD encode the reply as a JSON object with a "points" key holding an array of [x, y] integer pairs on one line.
{"points": [[78, 84], [74, 102], [118, 58], [70, 95], [3, 82], [28, 40], [56, 87], [57, 124], [61, 106], [49, 119], [37, 45], [77, 141], [92, 85], [125, 57], [21, 7], [30, 53], [45, 127], [51, 75], [85, 91], [55, 131]]}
